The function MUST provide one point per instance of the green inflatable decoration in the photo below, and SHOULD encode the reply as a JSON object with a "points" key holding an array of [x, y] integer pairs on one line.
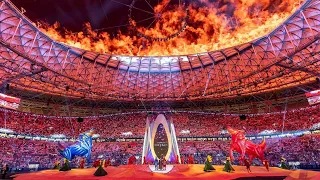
{"points": [[283, 164], [66, 166], [228, 167], [56, 165], [100, 171], [208, 165]]}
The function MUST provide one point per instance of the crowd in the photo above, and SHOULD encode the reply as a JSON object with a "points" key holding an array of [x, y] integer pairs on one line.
{"points": [[20, 153], [133, 125], [215, 125], [110, 126]]}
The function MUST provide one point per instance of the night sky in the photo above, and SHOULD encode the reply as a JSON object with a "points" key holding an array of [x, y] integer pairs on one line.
{"points": [[72, 14]]}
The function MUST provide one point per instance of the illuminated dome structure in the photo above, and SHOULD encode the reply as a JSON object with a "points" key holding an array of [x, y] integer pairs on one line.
{"points": [[284, 63]]}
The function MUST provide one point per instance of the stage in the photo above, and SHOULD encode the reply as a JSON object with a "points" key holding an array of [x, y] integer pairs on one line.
{"points": [[136, 172], [168, 169]]}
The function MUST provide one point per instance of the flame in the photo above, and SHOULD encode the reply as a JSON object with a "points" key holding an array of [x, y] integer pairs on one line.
{"points": [[211, 26]]}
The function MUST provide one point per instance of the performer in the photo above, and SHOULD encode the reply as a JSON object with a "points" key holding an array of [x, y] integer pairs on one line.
{"points": [[132, 160], [160, 164], [96, 163], [266, 164], [56, 165], [4, 171], [190, 159], [283, 164], [144, 160], [82, 162], [177, 159], [247, 164], [66, 165], [208, 164], [164, 162], [108, 163], [156, 164], [100, 171], [228, 167], [182, 159]]}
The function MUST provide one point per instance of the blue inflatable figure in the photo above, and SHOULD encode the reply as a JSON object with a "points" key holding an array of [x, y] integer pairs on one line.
{"points": [[81, 148]]}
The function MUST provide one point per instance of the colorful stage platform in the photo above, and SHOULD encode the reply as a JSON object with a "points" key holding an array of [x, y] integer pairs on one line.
{"points": [[143, 172], [167, 170]]}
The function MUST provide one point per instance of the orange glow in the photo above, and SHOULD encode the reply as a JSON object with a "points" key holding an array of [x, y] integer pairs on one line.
{"points": [[210, 27]]}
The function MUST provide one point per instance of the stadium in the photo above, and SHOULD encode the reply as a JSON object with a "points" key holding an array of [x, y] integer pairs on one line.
{"points": [[160, 89]]}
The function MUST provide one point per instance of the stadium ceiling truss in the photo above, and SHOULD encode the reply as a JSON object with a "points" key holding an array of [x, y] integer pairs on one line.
{"points": [[32, 61]]}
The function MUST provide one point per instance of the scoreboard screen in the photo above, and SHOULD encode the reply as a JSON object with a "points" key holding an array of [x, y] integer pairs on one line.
{"points": [[313, 97], [9, 101]]}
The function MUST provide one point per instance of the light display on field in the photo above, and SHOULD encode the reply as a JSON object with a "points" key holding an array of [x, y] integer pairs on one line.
{"points": [[160, 141], [313, 97], [315, 126], [9, 101], [127, 133], [95, 136], [184, 131], [58, 136], [5, 130], [272, 131]]}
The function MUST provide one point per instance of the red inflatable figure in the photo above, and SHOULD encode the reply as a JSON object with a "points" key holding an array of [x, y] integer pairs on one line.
{"points": [[240, 144]]}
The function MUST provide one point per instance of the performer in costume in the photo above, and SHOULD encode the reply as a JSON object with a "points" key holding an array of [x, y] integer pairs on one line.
{"points": [[266, 164], [228, 167], [160, 164], [208, 164], [132, 160], [190, 159], [81, 148], [144, 160], [247, 164], [96, 163], [66, 165], [82, 162], [56, 165], [164, 162], [4, 171], [283, 164], [100, 171], [177, 159], [156, 164], [182, 159], [108, 163]]}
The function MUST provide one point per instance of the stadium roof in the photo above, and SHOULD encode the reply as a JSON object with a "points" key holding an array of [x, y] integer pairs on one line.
{"points": [[287, 57]]}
